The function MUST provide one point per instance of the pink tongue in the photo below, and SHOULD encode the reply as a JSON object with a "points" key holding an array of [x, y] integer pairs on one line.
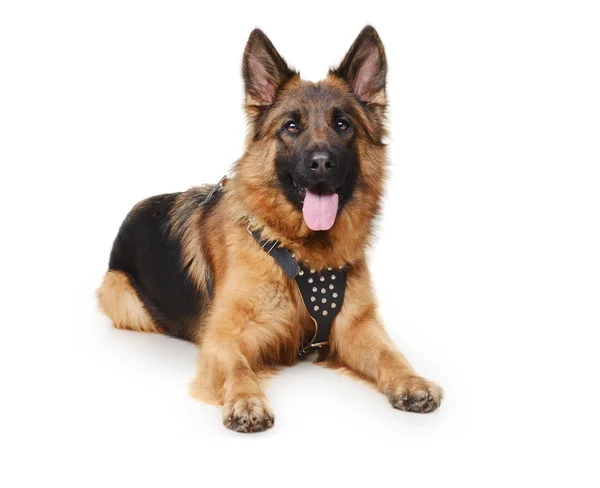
{"points": [[320, 210]]}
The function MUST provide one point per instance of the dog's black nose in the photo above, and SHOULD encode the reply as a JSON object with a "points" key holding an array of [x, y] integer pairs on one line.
{"points": [[321, 162]]}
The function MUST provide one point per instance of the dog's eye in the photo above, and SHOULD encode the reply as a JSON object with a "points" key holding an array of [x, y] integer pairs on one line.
{"points": [[291, 126], [342, 124]]}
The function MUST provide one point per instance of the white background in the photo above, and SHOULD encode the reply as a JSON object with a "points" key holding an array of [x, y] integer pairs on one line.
{"points": [[487, 263]]}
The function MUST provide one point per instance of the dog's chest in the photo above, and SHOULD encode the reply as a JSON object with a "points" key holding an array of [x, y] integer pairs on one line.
{"points": [[299, 300], [303, 305]]}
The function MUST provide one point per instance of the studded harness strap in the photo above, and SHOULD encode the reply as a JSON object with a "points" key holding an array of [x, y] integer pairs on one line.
{"points": [[322, 291]]}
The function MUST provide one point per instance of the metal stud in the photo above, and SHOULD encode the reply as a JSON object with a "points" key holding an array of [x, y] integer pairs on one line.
{"points": [[312, 271], [333, 277], [315, 289], [324, 312], [323, 300], [301, 273], [322, 278], [316, 307], [312, 299], [331, 287], [323, 290], [329, 269], [333, 305], [335, 295], [310, 280]]}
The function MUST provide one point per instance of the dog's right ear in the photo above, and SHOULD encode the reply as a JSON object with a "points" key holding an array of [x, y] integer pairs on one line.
{"points": [[264, 70]]}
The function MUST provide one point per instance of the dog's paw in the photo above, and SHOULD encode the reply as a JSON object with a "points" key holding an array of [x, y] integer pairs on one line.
{"points": [[246, 414], [415, 394]]}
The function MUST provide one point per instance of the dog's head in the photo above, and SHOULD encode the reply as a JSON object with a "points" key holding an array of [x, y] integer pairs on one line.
{"points": [[314, 151]]}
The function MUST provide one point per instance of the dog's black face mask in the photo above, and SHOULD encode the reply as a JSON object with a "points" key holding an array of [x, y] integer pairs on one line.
{"points": [[318, 126], [317, 160]]}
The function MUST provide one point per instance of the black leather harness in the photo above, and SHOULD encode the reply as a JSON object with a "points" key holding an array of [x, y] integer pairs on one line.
{"points": [[322, 291]]}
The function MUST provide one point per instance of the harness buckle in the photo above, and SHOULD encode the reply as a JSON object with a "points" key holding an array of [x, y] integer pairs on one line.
{"points": [[305, 350], [250, 222], [275, 244]]}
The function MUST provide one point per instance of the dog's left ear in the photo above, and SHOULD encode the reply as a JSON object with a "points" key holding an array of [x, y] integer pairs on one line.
{"points": [[264, 69], [365, 67]]}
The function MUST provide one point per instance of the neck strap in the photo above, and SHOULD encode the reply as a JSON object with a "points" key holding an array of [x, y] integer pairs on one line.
{"points": [[281, 255]]}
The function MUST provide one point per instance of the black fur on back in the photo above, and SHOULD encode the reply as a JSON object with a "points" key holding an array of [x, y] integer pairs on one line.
{"points": [[152, 258]]}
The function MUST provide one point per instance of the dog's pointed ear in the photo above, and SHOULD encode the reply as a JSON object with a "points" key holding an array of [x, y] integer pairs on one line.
{"points": [[264, 70], [365, 67]]}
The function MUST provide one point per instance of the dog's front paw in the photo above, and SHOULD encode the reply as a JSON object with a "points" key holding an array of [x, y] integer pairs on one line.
{"points": [[244, 413], [415, 394]]}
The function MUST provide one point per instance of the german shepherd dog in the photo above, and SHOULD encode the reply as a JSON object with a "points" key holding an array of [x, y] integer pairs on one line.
{"points": [[309, 183]]}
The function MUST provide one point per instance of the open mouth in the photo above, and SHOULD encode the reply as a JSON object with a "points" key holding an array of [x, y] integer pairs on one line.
{"points": [[319, 207]]}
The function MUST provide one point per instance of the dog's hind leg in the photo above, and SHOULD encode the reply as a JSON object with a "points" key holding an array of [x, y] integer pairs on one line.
{"points": [[118, 299]]}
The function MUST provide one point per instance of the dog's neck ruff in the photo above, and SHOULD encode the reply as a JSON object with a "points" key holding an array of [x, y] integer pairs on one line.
{"points": [[322, 290]]}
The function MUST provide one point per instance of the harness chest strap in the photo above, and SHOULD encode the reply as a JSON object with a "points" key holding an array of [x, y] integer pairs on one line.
{"points": [[322, 290]]}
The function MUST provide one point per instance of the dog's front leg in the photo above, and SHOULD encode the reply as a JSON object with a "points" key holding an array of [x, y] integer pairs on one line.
{"points": [[361, 343], [226, 374]]}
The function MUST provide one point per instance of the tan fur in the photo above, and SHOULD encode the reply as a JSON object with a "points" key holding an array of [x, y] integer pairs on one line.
{"points": [[186, 230], [119, 301]]}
